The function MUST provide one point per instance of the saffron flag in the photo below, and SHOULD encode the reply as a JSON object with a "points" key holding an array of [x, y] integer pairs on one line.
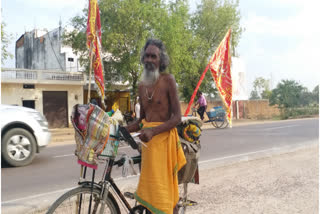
{"points": [[220, 65], [94, 44]]}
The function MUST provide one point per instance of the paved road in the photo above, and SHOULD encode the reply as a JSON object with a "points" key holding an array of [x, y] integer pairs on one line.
{"points": [[55, 168]]}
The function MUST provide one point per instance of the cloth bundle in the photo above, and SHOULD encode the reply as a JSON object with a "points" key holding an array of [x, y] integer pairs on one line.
{"points": [[92, 132]]}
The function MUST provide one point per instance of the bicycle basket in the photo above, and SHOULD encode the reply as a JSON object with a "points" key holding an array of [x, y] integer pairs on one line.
{"points": [[92, 133]]}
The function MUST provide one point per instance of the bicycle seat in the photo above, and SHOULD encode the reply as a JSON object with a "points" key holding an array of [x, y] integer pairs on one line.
{"points": [[127, 137]]}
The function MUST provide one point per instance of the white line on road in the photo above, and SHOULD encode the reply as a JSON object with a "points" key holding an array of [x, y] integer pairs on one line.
{"points": [[280, 127], [58, 191], [239, 155], [36, 196], [62, 156]]}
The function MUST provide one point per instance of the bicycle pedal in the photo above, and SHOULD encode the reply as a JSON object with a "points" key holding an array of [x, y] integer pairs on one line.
{"points": [[187, 203], [191, 203], [129, 195]]}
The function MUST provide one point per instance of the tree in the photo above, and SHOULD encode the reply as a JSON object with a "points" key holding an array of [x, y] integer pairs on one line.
{"points": [[305, 97], [287, 94], [209, 24], [261, 89], [125, 27], [315, 94], [254, 95], [190, 39], [5, 40]]}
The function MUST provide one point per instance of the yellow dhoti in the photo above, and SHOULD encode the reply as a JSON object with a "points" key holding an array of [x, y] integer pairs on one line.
{"points": [[160, 163]]}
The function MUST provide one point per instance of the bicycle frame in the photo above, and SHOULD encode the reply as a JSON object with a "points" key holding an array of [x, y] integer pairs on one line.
{"points": [[98, 203], [105, 185]]}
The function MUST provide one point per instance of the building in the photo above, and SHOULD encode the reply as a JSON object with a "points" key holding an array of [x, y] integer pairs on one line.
{"points": [[47, 78], [43, 50], [53, 93]]}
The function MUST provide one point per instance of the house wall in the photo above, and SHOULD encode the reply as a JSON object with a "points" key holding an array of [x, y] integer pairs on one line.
{"points": [[42, 50], [14, 94], [248, 109], [259, 109]]}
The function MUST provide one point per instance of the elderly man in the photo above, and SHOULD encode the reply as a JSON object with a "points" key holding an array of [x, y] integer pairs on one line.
{"points": [[159, 114]]}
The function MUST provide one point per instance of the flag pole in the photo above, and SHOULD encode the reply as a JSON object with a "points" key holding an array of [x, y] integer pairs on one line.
{"points": [[196, 89], [231, 52], [90, 71]]}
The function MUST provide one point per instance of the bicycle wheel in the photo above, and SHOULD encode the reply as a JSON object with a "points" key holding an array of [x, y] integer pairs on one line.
{"points": [[219, 120], [78, 201], [225, 124], [214, 123]]}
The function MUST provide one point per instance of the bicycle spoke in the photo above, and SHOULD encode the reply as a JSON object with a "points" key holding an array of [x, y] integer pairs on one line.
{"points": [[77, 201]]}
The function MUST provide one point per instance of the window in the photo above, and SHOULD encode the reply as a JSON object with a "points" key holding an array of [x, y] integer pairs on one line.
{"points": [[28, 104], [28, 86]]}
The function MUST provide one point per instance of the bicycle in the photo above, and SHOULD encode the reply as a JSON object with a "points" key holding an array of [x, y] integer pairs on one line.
{"points": [[92, 197], [217, 117]]}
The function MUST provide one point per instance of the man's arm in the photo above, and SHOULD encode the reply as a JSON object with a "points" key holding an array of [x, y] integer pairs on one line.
{"points": [[135, 126]]}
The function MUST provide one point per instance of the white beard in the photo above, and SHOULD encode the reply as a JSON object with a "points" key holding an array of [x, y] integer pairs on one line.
{"points": [[150, 77]]}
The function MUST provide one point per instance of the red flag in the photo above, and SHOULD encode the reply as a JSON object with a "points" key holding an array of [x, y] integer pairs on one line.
{"points": [[94, 44], [219, 65]]}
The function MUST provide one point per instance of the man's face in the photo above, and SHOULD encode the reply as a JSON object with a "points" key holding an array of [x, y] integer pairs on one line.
{"points": [[152, 58]]}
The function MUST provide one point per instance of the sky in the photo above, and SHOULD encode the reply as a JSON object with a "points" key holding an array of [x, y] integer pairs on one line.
{"points": [[280, 40]]}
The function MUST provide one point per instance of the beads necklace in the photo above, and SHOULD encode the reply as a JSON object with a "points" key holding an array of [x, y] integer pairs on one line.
{"points": [[150, 97]]}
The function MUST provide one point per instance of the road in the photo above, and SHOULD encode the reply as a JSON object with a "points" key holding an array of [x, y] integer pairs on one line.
{"points": [[55, 168]]}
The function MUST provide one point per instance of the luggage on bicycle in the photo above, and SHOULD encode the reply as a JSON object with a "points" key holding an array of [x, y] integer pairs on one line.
{"points": [[215, 111], [95, 134], [189, 133]]}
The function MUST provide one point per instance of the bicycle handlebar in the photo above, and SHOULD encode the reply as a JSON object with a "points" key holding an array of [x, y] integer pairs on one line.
{"points": [[127, 137]]}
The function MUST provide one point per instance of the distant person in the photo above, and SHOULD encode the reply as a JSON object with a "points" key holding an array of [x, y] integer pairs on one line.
{"points": [[202, 103], [137, 109], [93, 101]]}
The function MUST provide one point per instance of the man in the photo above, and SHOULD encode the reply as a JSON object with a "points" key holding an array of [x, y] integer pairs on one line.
{"points": [[159, 114], [202, 104]]}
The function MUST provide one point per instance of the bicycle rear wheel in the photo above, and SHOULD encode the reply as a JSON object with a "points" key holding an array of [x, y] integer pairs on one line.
{"points": [[78, 201], [220, 120]]}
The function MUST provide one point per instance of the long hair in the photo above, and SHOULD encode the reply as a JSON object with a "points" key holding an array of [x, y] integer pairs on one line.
{"points": [[164, 58]]}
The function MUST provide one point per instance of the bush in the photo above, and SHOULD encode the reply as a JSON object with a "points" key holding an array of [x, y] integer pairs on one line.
{"points": [[287, 113]]}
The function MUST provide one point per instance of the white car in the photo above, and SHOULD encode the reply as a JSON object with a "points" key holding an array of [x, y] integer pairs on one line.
{"points": [[24, 131]]}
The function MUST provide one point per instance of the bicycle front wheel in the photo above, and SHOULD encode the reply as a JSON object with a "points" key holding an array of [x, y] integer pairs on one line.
{"points": [[81, 200]]}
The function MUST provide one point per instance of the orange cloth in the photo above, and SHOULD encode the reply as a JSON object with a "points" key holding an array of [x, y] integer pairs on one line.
{"points": [[160, 163], [220, 66]]}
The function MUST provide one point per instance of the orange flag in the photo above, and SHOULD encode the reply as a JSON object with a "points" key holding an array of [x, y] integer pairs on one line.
{"points": [[220, 65], [94, 43]]}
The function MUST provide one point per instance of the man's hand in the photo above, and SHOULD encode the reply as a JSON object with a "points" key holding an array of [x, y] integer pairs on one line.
{"points": [[146, 135]]}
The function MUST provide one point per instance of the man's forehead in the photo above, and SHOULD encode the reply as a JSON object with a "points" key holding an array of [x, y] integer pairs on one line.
{"points": [[152, 49]]}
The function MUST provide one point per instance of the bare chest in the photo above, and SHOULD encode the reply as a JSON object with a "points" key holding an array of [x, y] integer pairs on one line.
{"points": [[155, 100]]}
